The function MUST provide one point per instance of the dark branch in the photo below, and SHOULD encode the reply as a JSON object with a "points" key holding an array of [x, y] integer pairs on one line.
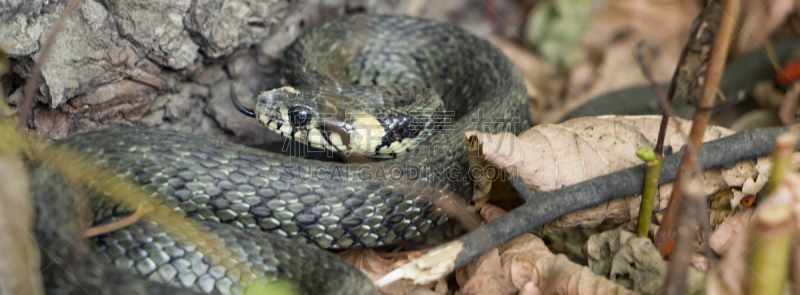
{"points": [[543, 207]]}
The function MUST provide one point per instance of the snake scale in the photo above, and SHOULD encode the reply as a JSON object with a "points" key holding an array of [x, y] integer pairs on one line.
{"points": [[268, 207]]}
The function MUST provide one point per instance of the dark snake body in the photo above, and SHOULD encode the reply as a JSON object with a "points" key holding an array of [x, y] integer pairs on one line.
{"points": [[334, 205]]}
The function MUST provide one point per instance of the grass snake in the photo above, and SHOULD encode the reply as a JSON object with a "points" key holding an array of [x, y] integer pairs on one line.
{"points": [[268, 207]]}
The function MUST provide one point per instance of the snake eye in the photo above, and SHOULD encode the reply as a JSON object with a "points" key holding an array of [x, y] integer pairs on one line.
{"points": [[300, 115]]}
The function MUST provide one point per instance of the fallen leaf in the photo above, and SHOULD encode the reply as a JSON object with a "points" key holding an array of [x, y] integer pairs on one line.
{"points": [[527, 259], [735, 225], [525, 264], [733, 239], [615, 28], [484, 276], [760, 19], [545, 86], [633, 262], [490, 212], [551, 156], [600, 249], [727, 277]]}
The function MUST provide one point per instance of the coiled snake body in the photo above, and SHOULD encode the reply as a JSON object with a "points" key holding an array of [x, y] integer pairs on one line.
{"points": [[333, 205]]}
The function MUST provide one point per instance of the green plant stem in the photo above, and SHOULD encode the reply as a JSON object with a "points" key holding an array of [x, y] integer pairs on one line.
{"points": [[781, 158], [768, 263], [648, 195]]}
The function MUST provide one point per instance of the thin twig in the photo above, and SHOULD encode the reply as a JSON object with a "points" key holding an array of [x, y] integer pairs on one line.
{"points": [[36, 73], [542, 207], [666, 106], [664, 102], [655, 161], [713, 74], [685, 236], [740, 75]]}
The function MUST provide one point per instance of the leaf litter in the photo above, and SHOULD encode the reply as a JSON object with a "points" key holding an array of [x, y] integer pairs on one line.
{"points": [[551, 156]]}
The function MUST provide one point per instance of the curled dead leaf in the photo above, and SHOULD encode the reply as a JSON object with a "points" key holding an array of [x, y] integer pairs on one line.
{"points": [[484, 276], [526, 260], [719, 206], [633, 262], [600, 249], [527, 266], [490, 212], [733, 238], [638, 266], [487, 175]]}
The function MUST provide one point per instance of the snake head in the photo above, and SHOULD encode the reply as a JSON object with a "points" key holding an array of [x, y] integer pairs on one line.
{"points": [[340, 121], [303, 115]]}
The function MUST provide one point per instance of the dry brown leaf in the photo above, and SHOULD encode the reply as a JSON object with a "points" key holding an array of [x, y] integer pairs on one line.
{"points": [[530, 289], [638, 265], [731, 274], [633, 262], [486, 184], [734, 225], [491, 212], [552, 156], [726, 278], [544, 84], [428, 268], [485, 270], [761, 19], [525, 264], [526, 259], [600, 249], [481, 185], [484, 276], [615, 28]]}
